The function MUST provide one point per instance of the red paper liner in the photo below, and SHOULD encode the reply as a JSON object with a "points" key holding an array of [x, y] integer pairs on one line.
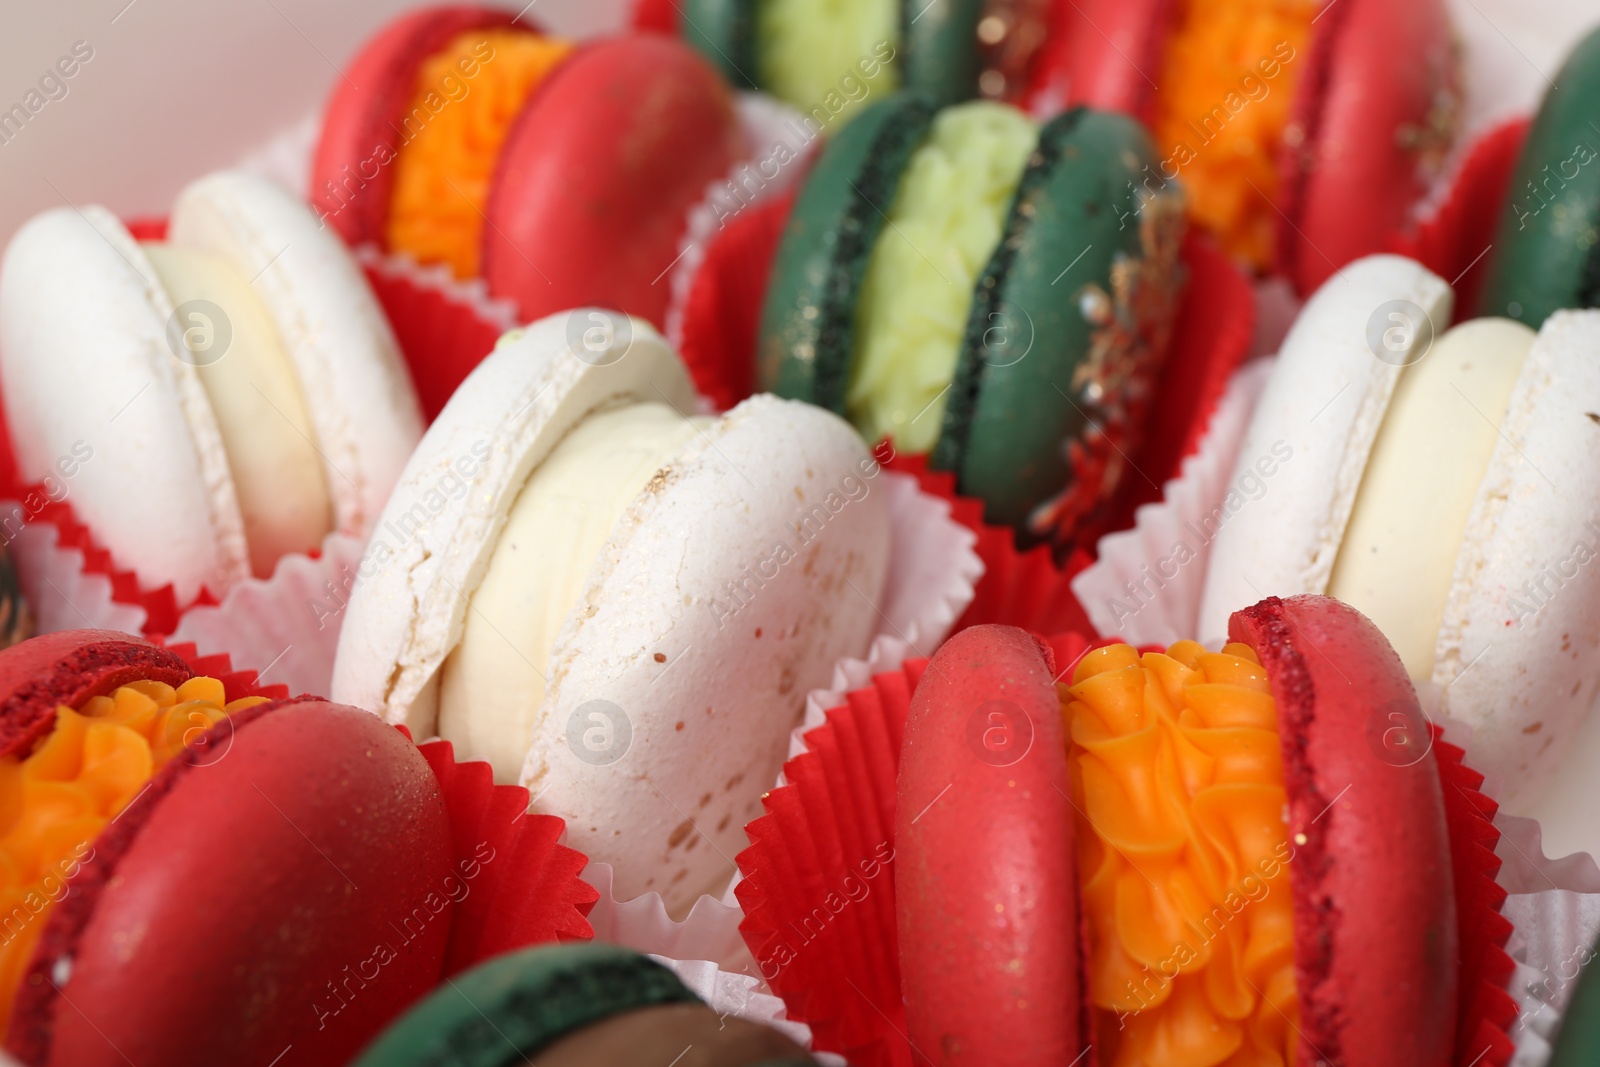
{"points": [[1486, 1008], [1453, 239], [831, 951], [441, 338], [527, 890]]}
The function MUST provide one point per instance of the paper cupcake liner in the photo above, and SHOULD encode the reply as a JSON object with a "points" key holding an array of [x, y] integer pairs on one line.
{"points": [[1456, 230], [818, 881], [742, 997], [767, 123], [521, 886], [1135, 588], [445, 327]]}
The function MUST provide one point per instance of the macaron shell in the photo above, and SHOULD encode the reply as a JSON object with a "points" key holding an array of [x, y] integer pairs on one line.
{"points": [[1369, 123], [246, 895], [1096, 53], [1524, 609], [85, 360], [68, 667], [597, 176], [531, 997], [986, 885], [356, 389], [939, 48], [431, 547], [360, 125], [709, 733], [807, 333], [723, 31], [1374, 903], [1325, 401], [1543, 257]]}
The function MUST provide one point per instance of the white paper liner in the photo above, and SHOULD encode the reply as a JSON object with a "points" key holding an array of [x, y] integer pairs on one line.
{"points": [[56, 587], [740, 996], [766, 123], [497, 311], [709, 932], [1161, 609], [286, 628]]}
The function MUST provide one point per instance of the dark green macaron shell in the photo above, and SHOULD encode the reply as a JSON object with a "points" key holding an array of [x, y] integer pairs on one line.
{"points": [[1067, 324], [504, 1010], [937, 52], [808, 318], [1546, 255]]}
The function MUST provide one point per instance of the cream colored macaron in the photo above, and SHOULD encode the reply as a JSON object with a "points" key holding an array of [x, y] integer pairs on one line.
{"points": [[237, 383], [618, 605], [1445, 486]]}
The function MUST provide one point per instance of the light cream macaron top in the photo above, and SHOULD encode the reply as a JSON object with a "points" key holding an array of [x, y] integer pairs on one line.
{"points": [[237, 384], [618, 604], [1444, 484]]}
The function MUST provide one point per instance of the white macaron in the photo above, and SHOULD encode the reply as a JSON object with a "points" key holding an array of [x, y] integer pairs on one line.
{"points": [[617, 605], [1443, 482], [237, 383]]}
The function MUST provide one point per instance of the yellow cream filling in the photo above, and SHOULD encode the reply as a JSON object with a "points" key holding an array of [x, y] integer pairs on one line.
{"points": [[1397, 561], [1183, 857], [946, 220], [260, 411], [815, 54], [55, 802], [1219, 116], [491, 687], [467, 96]]}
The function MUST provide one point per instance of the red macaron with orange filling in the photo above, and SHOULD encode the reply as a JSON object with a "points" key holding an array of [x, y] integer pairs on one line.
{"points": [[198, 871], [562, 173], [1182, 857]]}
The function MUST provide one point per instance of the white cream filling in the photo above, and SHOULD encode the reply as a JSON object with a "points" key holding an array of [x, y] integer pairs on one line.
{"points": [[1397, 560], [492, 685], [260, 411]]}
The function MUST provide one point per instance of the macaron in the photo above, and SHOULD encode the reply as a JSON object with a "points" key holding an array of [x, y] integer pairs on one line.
{"points": [[829, 56], [625, 606], [993, 293], [1443, 486], [1174, 857], [225, 397], [1543, 257], [560, 173], [1302, 144], [575, 1005], [185, 880]]}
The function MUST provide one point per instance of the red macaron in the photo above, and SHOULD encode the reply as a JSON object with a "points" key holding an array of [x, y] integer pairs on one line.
{"points": [[1034, 867], [570, 169], [241, 888]]}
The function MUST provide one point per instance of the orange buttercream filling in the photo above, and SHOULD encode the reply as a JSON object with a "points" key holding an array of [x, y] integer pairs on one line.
{"points": [[1226, 93], [1183, 855], [55, 802], [466, 99]]}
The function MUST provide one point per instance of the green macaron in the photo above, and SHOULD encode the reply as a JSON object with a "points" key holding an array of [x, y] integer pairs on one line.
{"points": [[994, 294], [1546, 254], [802, 51], [573, 1005]]}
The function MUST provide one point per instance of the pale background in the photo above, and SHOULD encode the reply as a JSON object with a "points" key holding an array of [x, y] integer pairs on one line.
{"points": [[180, 87]]}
